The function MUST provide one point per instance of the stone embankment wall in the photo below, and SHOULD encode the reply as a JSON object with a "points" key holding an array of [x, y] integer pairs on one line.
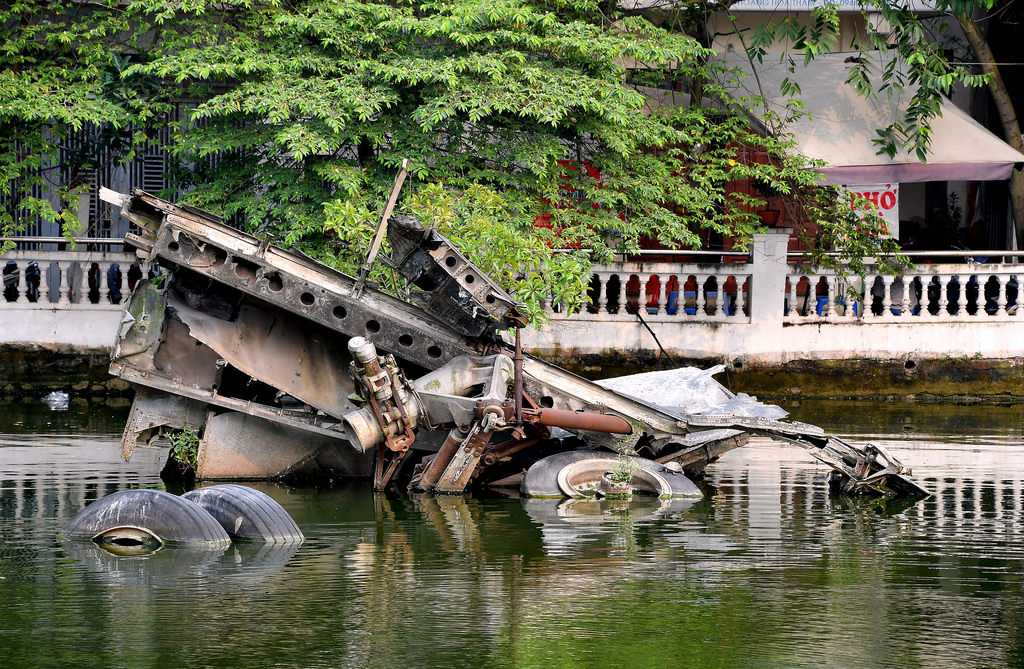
{"points": [[32, 371]]}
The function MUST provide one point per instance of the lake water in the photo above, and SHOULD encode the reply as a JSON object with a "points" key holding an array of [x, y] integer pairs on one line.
{"points": [[769, 572]]}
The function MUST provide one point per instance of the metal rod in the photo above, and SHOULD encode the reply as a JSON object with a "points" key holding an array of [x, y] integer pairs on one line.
{"points": [[441, 459], [518, 373], [382, 227], [583, 420]]}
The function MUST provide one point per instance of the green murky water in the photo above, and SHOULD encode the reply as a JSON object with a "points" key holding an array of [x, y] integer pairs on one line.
{"points": [[768, 573]]}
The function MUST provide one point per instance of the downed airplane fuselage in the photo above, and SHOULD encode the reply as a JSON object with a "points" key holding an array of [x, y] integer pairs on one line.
{"points": [[286, 368]]}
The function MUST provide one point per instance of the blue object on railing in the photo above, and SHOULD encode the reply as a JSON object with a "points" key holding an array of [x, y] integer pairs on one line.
{"points": [[672, 306], [691, 310], [728, 305], [822, 302]]}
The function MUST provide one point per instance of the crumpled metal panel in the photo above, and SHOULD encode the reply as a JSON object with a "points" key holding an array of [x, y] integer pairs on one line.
{"points": [[687, 391], [238, 446], [183, 359], [280, 350], [142, 324], [152, 410], [455, 289]]}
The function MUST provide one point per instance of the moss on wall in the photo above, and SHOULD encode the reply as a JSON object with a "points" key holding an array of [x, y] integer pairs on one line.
{"points": [[37, 371]]}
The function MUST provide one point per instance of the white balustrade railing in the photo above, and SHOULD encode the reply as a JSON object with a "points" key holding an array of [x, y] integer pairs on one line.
{"points": [[67, 279], [946, 292], [667, 292]]}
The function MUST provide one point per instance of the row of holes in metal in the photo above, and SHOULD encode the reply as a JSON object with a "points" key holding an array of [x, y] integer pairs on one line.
{"points": [[246, 270]]}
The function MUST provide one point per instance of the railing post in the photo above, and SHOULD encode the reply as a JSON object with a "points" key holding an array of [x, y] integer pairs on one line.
{"points": [[768, 271], [887, 282], [63, 292], [641, 300], [22, 295], [101, 283], [702, 299]]}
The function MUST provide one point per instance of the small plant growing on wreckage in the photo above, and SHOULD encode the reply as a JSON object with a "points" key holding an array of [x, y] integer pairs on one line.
{"points": [[185, 447], [617, 484]]}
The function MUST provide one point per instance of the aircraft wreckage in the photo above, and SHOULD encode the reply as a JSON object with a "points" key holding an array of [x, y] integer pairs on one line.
{"points": [[288, 368]]}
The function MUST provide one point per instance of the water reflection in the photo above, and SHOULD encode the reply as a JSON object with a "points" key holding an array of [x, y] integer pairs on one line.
{"points": [[770, 571]]}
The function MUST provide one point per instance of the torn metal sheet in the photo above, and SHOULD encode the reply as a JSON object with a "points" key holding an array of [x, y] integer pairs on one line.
{"points": [[280, 350], [142, 324], [453, 287], [237, 446], [686, 391], [183, 359], [151, 411]]}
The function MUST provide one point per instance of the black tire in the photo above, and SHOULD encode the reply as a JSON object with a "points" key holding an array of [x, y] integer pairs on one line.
{"points": [[167, 518], [247, 514], [541, 479]]}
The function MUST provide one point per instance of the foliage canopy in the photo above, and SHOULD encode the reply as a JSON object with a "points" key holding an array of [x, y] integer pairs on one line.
{"points": [[508, 110]]}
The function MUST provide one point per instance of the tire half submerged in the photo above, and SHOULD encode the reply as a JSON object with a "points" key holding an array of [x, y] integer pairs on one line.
{"points": [[542, 478], [125, 516], [247, 514]]}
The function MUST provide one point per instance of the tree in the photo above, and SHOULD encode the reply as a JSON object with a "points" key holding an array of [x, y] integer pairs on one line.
{"points": [[507, 109], [965, 13]]}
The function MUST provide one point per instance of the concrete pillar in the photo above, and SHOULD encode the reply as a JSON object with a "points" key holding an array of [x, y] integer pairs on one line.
{"points": [[768, 276]]}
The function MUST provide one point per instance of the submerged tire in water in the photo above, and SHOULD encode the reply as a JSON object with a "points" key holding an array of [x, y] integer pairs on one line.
{"points": [[558, 474], [146, 519], [247, 514]]}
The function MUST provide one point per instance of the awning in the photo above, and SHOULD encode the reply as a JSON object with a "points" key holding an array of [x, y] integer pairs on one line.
{"points": [[840, 125]]}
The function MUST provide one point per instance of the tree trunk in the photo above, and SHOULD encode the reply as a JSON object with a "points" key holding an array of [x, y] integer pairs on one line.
{"points": [[1007, 116]]}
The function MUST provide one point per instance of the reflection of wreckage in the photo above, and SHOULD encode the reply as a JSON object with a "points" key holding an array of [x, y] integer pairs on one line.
{"points": [[289, 368]]}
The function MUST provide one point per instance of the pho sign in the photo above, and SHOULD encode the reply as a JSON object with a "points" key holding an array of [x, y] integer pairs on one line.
{"points": [[883, 197]]}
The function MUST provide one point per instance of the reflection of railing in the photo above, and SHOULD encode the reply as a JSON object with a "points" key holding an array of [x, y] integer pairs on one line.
{"points": [[929, 292], [67, 279]]}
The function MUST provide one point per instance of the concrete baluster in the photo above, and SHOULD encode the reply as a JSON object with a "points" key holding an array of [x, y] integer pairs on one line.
{"points": [[905, 297], [63, 285], [1002, 280], [101, 283], [22, 296], [943, 312], [961, 311], [641, 300], [837, 300], [663, 293], [702, 299], [887, 296]]}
